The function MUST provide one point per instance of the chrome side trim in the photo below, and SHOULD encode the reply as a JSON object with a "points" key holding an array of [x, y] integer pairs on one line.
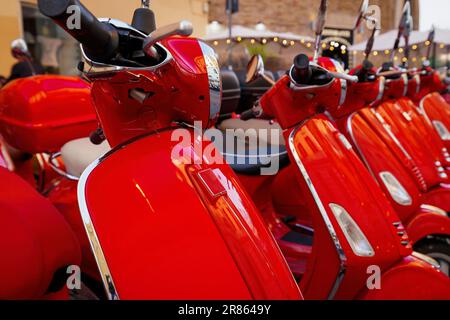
{"points": [[324, 214], [214, 79], [358, 148], [405, 81], [387, 128], [343, 83], [55, 168], [92, 235]]}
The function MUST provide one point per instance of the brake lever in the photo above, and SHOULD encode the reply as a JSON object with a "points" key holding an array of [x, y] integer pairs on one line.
{"points": [[182, 28], [343, 76]]}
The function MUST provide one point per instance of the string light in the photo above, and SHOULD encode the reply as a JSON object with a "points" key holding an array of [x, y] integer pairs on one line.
{"points": [[344, 51], [324, 45], [275, 39], [400, 50], [292, 42], [405, 59], [387, 51], [331, 48], [375, 53], [427, 43], [239, 39], [216, 43], [414, 59], [285, 42], [442, 46], [228, 41], [395, 58], [414, 47], [308, 44], [252, 41], [302, 41], [264, 41], [424, 58]]}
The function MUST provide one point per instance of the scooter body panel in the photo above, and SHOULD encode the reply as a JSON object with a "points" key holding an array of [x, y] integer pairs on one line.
{"points": [[36, 242], [410, 279], [438, 112], [162, 228], [380, 160], [400, 120], [316, 145]]}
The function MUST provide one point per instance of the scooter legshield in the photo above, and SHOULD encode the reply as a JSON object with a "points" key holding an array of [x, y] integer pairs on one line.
{"points": [[334, 175], [164, 228], [438, 112]]}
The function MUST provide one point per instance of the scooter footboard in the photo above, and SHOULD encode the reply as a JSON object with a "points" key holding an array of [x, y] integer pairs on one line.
{"points": [[411, 279], [163, 228]]}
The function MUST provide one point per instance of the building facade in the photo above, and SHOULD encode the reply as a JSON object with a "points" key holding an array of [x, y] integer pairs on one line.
{"points": [[298, 16], [21, 19]]}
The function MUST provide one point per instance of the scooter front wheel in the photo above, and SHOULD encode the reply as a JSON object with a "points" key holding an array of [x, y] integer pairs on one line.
{"points": [[439, 250]]}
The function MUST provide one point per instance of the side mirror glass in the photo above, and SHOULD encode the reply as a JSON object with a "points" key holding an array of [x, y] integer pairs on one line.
{"points": [[255, 68]]}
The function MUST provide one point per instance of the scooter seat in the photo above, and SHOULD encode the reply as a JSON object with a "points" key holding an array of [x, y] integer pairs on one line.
{"points": [[79, 154], [249, 146], [36, 243]]}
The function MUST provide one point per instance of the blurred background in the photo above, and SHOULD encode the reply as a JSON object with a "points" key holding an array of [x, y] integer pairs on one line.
{"points": [[276, 29]]}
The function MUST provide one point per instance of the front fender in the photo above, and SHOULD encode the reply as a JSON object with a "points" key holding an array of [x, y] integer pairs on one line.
{"points": [[427, 223], [410, 279], [161, 228]]}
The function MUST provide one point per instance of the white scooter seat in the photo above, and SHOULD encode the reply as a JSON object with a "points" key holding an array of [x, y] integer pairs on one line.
{"points": [[249, 158], [79, 154]]}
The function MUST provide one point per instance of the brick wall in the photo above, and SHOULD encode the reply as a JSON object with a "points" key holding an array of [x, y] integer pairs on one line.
{"points": [[296, 15]]}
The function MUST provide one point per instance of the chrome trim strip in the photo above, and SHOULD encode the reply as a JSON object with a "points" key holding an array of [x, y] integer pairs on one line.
{"points": [[387, 128], [92, 235], [358, 148], [214, 79], [406, 82], [54, 167], [343, 83], [323, 212]]}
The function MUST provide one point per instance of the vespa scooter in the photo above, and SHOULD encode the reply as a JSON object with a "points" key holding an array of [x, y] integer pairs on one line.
{"points": [[427, 225], [353, 225], [164, 221]]}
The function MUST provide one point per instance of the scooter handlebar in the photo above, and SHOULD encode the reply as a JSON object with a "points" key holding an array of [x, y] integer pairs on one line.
{"points": [[344, 76], [98, 39]]}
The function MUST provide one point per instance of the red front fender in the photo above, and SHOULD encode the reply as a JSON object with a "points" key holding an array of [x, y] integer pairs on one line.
{"points": [[411, 279], [427, 223]]}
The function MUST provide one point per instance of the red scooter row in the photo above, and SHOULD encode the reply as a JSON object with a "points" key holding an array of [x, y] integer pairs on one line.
{"points": [[153, 208]]}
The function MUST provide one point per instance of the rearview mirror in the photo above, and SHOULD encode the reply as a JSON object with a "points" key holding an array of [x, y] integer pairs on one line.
{"points": [[255, 68]]}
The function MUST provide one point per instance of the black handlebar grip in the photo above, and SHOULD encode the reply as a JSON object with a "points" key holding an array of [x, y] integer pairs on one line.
{"points": [[301, 72], [99, 40]]}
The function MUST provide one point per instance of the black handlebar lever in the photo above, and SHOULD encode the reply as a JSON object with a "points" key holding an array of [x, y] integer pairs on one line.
{"points": [[301, 72], [99, 40]]}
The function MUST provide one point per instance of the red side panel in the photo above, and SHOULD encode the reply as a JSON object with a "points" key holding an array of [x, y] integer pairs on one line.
{"points": [[379, 158], [427, 223], [35, 241], [339, 177], [171, 230], [437, 109], [411, 279]]}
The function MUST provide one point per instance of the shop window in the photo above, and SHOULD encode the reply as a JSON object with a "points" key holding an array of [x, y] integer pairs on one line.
{"points": [[48, 43]]}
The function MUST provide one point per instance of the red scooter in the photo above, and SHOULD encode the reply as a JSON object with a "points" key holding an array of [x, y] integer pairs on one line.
{"points": [[418, 206], [154, 207], [327, 213]]}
